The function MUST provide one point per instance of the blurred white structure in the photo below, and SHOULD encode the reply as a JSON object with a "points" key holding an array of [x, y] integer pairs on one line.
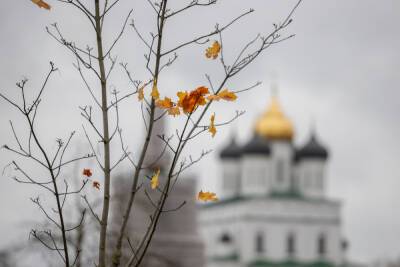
{"points": [[273, 209]]}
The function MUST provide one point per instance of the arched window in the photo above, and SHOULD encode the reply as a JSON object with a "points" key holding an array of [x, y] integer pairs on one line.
{"points": [[321, 245], [225, 238], [260, 243], [291, 245]]}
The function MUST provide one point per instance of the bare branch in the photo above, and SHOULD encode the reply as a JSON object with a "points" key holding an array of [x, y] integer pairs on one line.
{"points": [[78, 67], [92, 147], [216, 31], [119, 35], [82, 8], [149, 46], [11, 102], [108, 9], [248, 88], [35, 102], [31, 181], [190, 5], [79, 224], [37, 202], [91, 209]]}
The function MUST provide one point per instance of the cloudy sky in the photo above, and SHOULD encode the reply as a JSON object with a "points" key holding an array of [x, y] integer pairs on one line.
{"points": [[341, 71]]}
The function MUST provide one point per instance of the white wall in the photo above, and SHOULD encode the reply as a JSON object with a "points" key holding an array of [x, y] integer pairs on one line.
{"points": [[276, 219], [256, 173], [229, 180], [310, 178]]}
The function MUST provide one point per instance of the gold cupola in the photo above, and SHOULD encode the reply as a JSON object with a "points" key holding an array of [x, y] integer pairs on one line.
{"points": [[273, 124]]}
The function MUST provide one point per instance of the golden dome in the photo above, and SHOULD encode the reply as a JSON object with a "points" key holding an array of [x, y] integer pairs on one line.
{"points": [[273, 124]]}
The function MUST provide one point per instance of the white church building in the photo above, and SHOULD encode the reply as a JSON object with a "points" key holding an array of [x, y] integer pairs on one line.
{"points": [[273, 208]]}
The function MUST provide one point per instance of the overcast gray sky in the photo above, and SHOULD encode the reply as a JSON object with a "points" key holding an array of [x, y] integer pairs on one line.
{"points": [[341, 71]]}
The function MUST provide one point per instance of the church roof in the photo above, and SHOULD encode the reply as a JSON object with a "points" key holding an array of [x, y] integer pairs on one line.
{"points": [[257, 145], [232, 150], [312, 149], [274, 124]]}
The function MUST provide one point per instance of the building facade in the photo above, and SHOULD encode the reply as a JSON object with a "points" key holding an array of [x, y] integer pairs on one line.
{"points": [[273, 208]]}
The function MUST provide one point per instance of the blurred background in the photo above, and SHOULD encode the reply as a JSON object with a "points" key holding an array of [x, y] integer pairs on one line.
{"points": [[340, 73]]}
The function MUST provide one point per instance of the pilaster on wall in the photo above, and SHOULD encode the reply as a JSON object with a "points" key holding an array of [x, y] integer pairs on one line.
{"points": [[255, 175], [281, 166]]}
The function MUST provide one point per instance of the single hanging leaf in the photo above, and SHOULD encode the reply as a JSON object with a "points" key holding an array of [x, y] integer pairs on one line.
{"points": [[213, 51], [154, 92], [154, 180], [96, 185], [207, 196], [141, 93], [224, 94], [87, 172], [41, 3], [227, 95], [212, 128]]}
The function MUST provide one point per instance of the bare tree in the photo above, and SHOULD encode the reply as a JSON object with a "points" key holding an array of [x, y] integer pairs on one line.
{"points": [[52, 164], [100, 64]]}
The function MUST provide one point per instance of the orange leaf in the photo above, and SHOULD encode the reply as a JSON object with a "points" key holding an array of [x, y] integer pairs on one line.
{"points": [[166, 103], [41, 3], [214, 97], [87, 172], [227, 95], [190, 101], [96, 185], [154, 180], [213, 51], [207, 196], [212, 128]]}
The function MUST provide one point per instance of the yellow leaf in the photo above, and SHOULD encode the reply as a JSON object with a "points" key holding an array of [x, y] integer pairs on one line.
{"points": [[141, 93], [207, 196], [213, 51], [154, 180], [154, 92], [214, 97], [227, 95], [169, 105], [41, 3], [174, 111], [212, 128]]}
